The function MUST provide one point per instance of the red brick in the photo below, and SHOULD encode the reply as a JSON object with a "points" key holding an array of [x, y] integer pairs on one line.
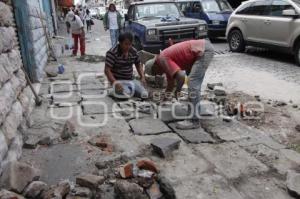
{"points": [[126, 171], [147, 165]]}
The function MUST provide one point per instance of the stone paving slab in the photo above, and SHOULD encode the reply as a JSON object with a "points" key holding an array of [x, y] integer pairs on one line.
{"points": [[62, 87], [66, 97], [91, 86], [231, 160], [226, 131], [239, 133], [148, 126], [281, 160], [60, 77], [100, 106], [90, 93], [206, 186], [63, 113], [172, 112], [262, 188], [194, 136], [261, 139]]}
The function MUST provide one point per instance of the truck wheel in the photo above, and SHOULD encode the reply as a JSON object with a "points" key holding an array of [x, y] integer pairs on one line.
{"points": [[297, 54], [236, 41], [137, 44]]}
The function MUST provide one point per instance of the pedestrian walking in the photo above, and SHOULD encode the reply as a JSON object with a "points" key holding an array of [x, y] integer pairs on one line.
{"points": [[119, 69], [112, 22], [77, 30], [190, 58], [88, 19]]}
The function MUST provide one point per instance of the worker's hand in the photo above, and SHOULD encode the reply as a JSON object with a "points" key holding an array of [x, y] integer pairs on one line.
{"points": [[118, 88], [167, 97]]}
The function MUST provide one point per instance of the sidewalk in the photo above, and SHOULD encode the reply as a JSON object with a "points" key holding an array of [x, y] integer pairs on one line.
{"points": [[226, 160]]}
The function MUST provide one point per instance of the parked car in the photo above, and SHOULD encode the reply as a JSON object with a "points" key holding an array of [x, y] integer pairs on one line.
{"points": [[101, 12], [215, 12], [154, 23], [273, 24]]}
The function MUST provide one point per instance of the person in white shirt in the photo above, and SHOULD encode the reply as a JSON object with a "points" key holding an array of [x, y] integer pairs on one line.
{"points": [[112, 22], [77, 30]]}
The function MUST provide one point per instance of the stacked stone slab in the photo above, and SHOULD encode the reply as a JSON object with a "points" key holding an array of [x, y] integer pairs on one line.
{"points": [[16, 99]]}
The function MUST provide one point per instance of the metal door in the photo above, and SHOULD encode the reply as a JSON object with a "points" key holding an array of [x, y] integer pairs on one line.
{"points": [[23, 29]]}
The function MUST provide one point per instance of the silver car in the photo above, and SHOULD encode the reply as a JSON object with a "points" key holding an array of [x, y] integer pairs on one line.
{"points": [[266, 23]]}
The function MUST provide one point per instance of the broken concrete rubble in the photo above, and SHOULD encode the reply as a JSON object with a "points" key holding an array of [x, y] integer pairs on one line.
{"points": [[89, 181], [82, 192], [293, 183], [35, 189], [128, 190], [17, 176], [166, 187], [165, 146], [31, 142], [68, 130], [4, 194], [55, 192], [212, 86], [219, 91], [103, 142]]}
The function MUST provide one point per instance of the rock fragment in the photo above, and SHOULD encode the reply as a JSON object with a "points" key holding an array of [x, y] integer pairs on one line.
{"points": [[293, 183], [16, 176], [90, 181], [127, 190], [165, 146], [35, 189]]}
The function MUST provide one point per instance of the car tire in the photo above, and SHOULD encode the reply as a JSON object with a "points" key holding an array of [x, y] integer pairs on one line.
{"points": [[236, 41], [297, 54], [137, 44]]}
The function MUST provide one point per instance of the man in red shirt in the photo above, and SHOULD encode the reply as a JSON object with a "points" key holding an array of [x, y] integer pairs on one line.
{"points": [[190, 58]]}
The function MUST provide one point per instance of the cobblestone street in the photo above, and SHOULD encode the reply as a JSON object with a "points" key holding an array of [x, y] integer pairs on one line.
{"points": [[227, 159]]}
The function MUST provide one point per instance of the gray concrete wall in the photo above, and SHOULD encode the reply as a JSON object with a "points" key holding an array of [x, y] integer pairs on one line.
{"points": [[38, 37], [16, 99]]}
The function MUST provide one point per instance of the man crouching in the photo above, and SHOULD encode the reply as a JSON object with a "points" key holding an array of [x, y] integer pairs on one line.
{"points": [[119, 69]]}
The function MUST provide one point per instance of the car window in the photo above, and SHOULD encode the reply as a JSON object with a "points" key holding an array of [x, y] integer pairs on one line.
{"points": [[157, 10], [297, 2], [244, 9], [215, 6], [278, 6], [260, 8], [185, 7]]}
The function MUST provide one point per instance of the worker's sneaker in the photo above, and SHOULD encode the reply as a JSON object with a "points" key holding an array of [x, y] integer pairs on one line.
{"points": [[188, 124], [82, 57]]}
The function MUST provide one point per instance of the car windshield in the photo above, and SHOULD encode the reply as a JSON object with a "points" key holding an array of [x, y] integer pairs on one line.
{"points": [[297, 2], [216, 6], [157, 10]]}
